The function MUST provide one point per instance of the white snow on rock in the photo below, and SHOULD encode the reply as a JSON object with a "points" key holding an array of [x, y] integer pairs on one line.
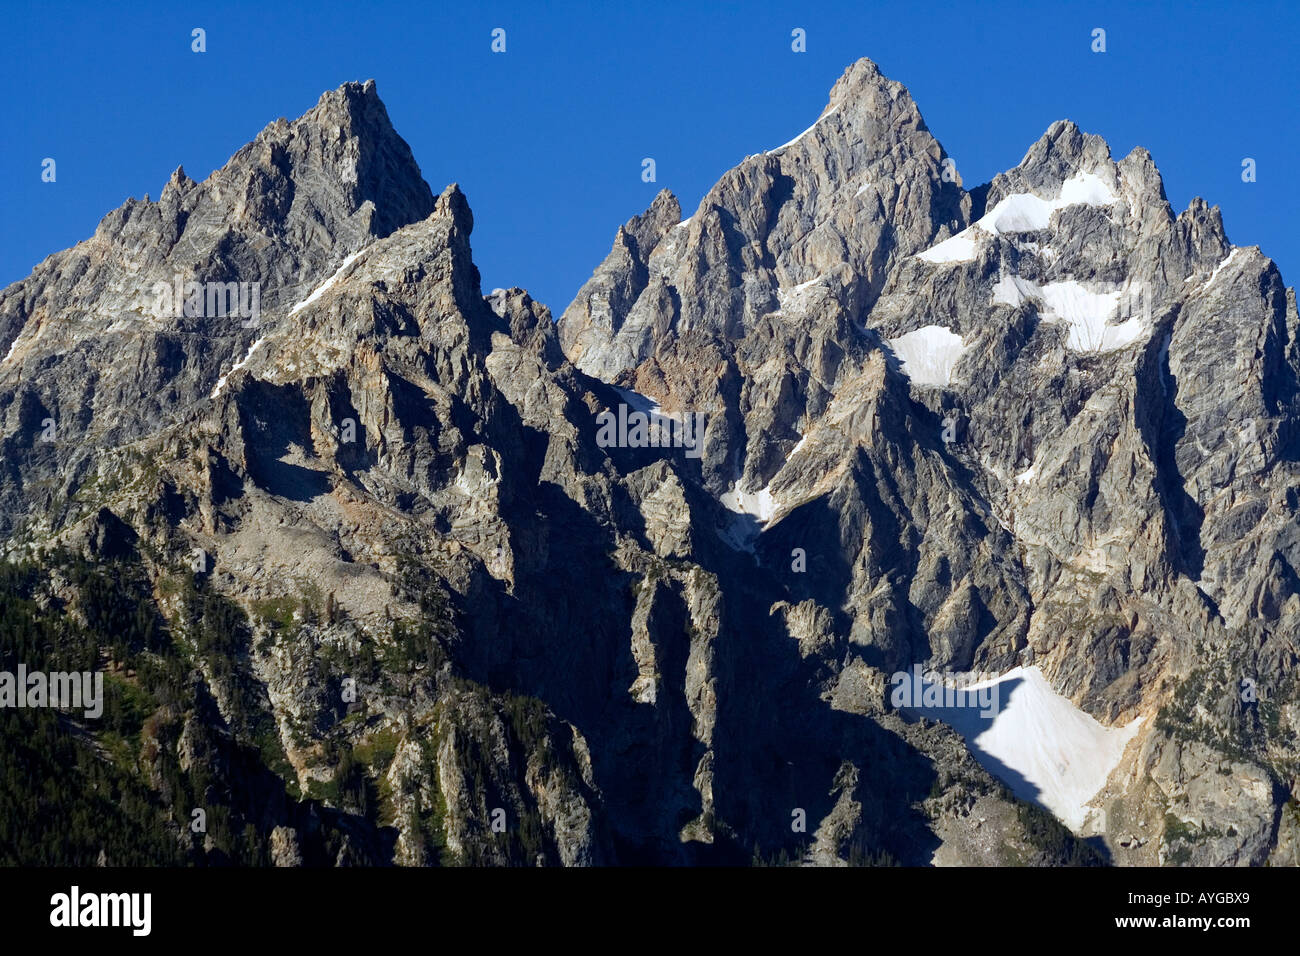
{"points": [[636, 401], [929, 354], [750, 510], [793, 296], [758, 504], [805, 132], [1014, 291], [802, 286], [647, 405], [324, 286], [1040, 744], [12, 347], [1022, 212], [221, 382], [1028, 475], [1087, 315], [1086, 189], [960, 248], [1221, 266]]}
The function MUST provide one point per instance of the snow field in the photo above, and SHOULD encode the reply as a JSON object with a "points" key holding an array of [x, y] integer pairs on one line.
{"points": [[929, 354], [1040, 744]]}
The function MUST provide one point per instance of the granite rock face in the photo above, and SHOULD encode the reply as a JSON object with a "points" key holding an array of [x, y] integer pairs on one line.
{"points": [[280, 216], [1046, 421]]}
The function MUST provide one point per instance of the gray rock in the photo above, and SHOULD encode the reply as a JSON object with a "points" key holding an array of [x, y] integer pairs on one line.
{"points": [[641, 656]]}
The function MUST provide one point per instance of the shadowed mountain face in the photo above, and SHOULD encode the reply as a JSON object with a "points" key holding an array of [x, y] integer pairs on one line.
{"points": [[391, 564]]}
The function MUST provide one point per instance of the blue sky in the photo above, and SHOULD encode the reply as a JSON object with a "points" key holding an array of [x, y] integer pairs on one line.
{"points": [[547, 139]]}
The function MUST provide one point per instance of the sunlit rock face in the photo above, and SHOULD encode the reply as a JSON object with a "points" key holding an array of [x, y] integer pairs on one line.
{"points": [[1044, 429]]}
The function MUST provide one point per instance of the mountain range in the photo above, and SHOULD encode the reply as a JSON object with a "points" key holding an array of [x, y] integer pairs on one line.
{"points": [[369, 587]]}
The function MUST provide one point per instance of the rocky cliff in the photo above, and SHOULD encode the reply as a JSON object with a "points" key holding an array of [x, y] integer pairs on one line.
{"points": [[390, 570]]}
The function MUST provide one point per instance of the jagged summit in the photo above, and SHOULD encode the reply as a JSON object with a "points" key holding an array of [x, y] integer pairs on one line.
{"points": [[351, 96], [453, 203], [863, 87], [282, 215], [1043, 429], [342, 154], [832, 289]]}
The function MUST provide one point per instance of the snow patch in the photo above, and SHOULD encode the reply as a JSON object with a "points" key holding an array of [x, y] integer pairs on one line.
{"points": [[1024, 212], [758, 504], [647, 405], [1043, 747], [1020, 212], [806, 285], [1221, 266], [928, 354], [636, 401], [324, 286], [749, 512], [221, 382], [793, 296], [1086, 189], [14, 345], [960, 248], [1028, 475], [1086, 314], [1015, 291], [805, 132]]}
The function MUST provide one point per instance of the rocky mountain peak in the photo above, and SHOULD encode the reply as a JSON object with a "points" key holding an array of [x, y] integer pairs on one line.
{"points": [[863, 85], [177, 185], [274, 223], [869, 120], [647, 229], [1041, 429], [768, 272], [454, 206], [353, 100], [338, 156], [1062, 152]]}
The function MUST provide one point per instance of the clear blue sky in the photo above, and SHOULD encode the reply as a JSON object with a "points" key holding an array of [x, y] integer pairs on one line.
{"points": [[547, 139]]}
